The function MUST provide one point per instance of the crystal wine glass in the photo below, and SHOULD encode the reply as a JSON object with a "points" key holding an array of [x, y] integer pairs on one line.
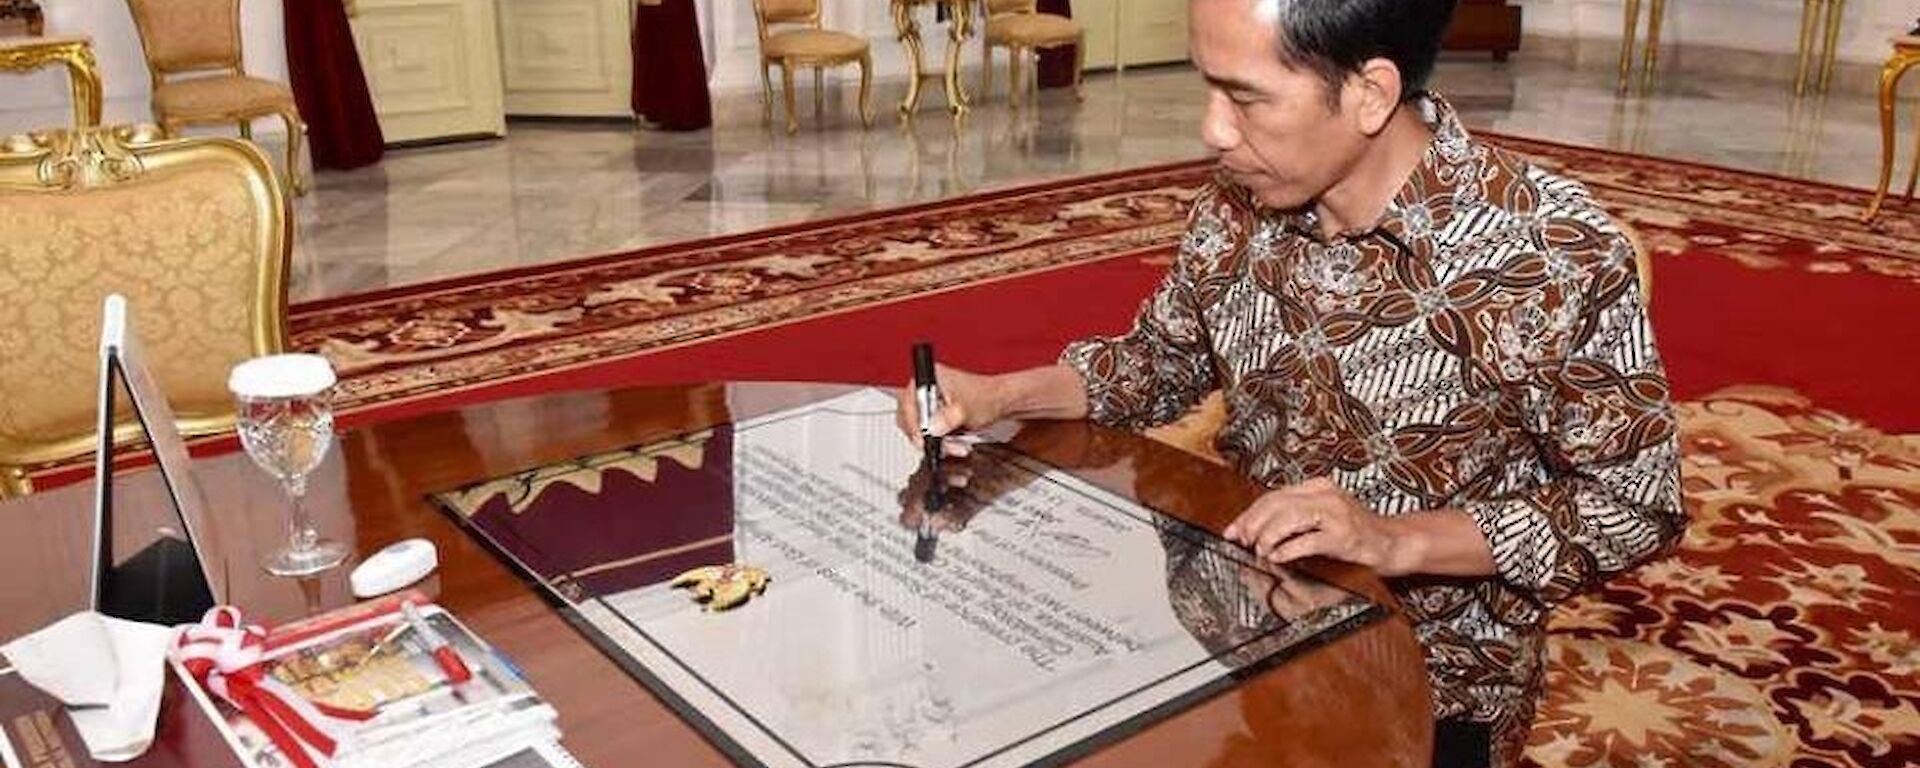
{"points": [[286, 425]]}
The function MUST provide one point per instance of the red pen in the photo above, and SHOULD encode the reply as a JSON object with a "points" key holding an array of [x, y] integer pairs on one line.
{"points": [[443, 654]]}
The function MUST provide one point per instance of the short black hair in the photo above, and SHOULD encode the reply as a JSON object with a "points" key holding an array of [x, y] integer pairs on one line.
{"points": [[1333, 38]]}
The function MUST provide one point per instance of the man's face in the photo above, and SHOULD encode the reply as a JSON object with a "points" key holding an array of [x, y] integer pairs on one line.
{"points": [[1277, 132]]}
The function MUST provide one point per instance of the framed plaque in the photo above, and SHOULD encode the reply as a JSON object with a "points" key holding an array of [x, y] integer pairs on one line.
{"points": [[1052, 617]]}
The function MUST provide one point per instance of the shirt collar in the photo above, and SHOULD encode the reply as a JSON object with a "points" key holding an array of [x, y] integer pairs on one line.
{"points": [[1428, 199]]}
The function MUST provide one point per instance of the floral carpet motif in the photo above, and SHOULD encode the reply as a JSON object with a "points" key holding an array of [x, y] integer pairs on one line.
{"points": [[1781, 632]]}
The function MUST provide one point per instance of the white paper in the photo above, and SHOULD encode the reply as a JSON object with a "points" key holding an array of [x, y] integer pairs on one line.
{"points": [[108, 671]]}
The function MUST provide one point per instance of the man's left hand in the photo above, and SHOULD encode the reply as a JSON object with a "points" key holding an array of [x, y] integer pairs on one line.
{"points": [[1318, 517]]}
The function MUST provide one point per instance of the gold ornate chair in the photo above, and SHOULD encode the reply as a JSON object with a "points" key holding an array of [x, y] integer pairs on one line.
{"points": [[194, 232], [801, 42], [202, 38], [1019, 27]]}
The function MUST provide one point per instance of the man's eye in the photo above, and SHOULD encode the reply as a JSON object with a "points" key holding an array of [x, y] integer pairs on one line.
{"points": [[1242, 99]]}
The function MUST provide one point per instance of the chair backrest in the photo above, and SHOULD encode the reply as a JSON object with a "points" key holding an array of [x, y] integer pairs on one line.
{"points": [[997, 7], [188, 35], [194, 232], [767, 13]]}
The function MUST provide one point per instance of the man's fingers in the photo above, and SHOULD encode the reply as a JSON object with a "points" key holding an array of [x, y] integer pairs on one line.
{"points": [[949, 418], [1249, 522], [1304, 545], [907, 414], [1289, 521]]}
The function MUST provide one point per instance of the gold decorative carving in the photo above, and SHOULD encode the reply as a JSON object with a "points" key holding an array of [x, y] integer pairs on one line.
{"points": [[88, 159]]}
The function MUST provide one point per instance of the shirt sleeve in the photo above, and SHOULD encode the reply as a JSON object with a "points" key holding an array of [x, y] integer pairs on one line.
{"points": [[1164, 365], [1603, 421]]}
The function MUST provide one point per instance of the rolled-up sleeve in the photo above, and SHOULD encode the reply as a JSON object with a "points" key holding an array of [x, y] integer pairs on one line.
{"points": [[1605, 426], [1164, 365]]}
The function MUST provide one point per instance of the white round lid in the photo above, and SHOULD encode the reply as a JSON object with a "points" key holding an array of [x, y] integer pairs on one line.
{"points": [[281, 376]]}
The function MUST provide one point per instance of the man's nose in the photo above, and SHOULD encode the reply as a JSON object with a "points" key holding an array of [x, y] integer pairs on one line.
{"points": [[1218, 126]]}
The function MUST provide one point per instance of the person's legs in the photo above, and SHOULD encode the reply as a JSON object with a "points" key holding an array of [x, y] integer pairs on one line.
{"points": [[1461, 743]]}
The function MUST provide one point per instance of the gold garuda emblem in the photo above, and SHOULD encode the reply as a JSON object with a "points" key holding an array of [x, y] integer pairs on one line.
{"points": [[720, 587]]}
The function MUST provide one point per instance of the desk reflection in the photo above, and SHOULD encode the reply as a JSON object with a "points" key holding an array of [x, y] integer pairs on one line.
{"points": [[51, 536]]}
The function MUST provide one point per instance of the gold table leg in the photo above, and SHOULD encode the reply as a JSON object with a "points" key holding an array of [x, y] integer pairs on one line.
{"points": [[959, 28], [1834, 8], [82, 70], [1890, 74], [1627, 36], [1809, 13], [1651, 58], [908, 30], [84, 74]]}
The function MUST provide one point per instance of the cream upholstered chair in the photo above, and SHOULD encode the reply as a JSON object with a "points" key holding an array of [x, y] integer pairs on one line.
{"points": [[202, 38], [1019, 27], [791, 36], [194, 232]]}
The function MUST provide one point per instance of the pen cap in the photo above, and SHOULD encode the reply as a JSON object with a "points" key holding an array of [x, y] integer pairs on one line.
{"points": [[922, 364]]}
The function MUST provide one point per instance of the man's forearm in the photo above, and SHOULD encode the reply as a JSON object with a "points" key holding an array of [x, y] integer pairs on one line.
{"points": [[1442, 542], [1051, 392]]}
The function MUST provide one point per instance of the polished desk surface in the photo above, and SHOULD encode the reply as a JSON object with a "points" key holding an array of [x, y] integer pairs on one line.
{"points": [[1361, 700]]}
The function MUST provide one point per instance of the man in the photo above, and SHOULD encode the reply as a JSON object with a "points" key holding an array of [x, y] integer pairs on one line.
{"points": [[1433, 352]]}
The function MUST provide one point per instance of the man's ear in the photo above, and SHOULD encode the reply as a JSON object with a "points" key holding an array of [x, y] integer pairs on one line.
{"points": [[1372, 94]]}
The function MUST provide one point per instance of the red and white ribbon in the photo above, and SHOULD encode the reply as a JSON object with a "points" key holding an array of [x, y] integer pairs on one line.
{"points": [[224, 654]]}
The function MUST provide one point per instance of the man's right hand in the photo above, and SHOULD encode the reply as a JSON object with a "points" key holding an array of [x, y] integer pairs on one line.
{"points": [[968, 401]]}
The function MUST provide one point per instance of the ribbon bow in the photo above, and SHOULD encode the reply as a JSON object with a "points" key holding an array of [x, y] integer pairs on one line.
{"points": [[224, 655]]}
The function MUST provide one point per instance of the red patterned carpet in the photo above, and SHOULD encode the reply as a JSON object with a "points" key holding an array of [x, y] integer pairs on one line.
{"points": [[1779, 635]]}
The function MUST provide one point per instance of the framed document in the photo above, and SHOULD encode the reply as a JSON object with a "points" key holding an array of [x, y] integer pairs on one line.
{"points": [[1053, 617], [164, 577]]}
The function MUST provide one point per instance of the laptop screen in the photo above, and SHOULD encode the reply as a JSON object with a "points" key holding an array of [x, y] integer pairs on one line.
{"points": [[147, 563]]}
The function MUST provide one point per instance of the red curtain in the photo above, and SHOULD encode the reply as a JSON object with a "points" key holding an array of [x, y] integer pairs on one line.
{"points": [[1056, 64], [329, 85], [669, 69]]}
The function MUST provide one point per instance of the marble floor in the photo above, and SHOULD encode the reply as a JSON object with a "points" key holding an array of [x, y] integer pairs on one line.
{"points": [[553, 191]]}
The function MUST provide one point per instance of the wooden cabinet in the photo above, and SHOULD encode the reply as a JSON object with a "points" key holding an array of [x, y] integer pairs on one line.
{"points": [[567, 57], [1485, 25], [433, 67]]}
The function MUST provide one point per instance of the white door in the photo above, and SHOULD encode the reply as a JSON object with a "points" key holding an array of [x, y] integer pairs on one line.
{"points": [[1153, 31], [1125, 33], [433, 67], [1100, 18], [567, 57]]}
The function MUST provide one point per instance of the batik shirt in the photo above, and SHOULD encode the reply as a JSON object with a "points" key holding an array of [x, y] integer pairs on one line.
{"points": [[1483, 347]]}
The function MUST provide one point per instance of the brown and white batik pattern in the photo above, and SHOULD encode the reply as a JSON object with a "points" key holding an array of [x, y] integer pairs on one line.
{"points": [[1483, 348]]}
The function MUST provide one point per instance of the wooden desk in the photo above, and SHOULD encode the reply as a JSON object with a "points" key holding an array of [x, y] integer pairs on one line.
{"points": [[1361, 700], [75, 52]]}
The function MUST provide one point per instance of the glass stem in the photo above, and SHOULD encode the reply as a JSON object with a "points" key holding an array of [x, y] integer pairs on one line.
{"points": [[300, 532]]}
